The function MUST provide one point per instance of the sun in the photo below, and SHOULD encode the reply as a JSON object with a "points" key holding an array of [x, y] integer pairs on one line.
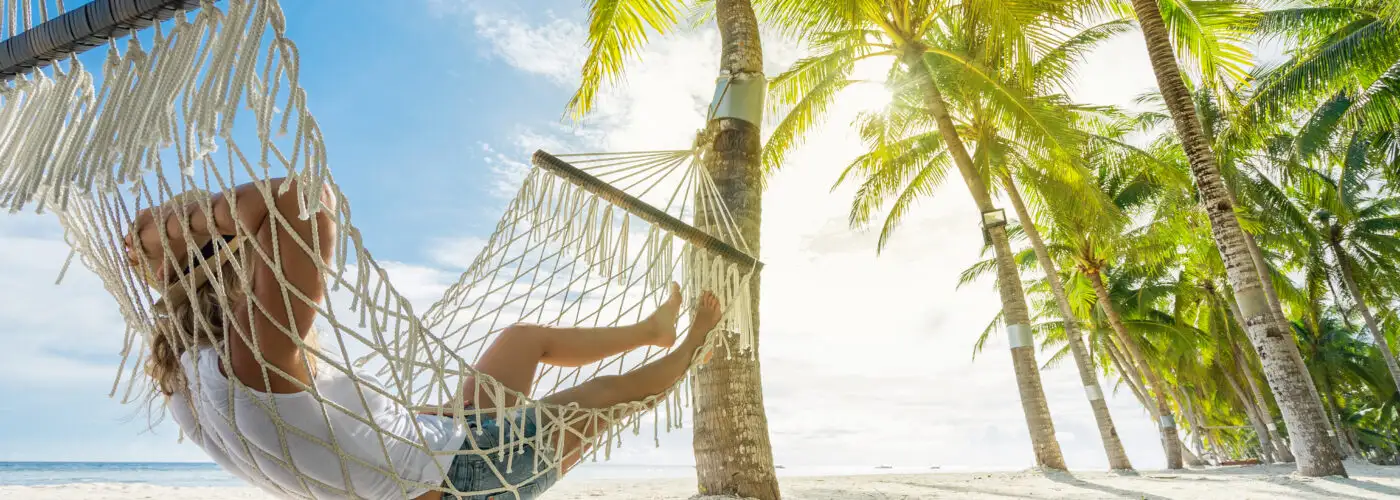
{"points": [[869, 92], [867, 96]]}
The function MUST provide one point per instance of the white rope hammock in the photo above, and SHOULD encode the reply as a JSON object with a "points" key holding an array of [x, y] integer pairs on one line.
{"points": [[213, 102]]}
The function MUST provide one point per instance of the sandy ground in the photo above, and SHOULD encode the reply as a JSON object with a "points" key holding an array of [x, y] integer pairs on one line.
{"points": [[1235, 483]]}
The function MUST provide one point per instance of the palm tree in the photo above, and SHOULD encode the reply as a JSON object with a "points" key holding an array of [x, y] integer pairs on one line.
{"points": [[1094, 243], [733, 454], [1297, 398], [1092, 240], [1083, 363], [1237, 150], [931, 44], [1048, 76]]}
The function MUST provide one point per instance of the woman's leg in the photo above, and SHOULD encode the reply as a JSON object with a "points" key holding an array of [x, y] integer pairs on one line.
{"points": [[648, 380], [513, 358]]}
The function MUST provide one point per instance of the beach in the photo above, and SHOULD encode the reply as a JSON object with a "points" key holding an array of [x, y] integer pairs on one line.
{"points": [[1262, 482]]}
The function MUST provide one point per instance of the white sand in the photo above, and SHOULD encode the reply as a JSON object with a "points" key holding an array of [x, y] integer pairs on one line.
{"points": [[1235, 483]]}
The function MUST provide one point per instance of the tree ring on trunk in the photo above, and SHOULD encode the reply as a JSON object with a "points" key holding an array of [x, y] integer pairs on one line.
{"points": [[1019, 336], [1093, 392], [1252, 303]]}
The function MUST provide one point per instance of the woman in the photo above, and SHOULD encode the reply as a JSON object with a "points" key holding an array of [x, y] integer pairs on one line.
{"points": [[231, 405]]}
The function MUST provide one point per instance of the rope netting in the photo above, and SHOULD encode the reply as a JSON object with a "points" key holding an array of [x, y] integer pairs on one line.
{"points": [[209, 101]]}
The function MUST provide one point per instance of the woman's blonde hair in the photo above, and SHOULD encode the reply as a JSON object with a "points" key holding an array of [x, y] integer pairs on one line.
{"points": [[182, 325]]}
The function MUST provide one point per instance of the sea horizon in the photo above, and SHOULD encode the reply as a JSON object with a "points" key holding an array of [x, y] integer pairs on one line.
{"points": [[208, 474]]}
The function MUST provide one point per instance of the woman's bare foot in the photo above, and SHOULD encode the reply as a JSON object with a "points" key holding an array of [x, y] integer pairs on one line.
{"points": [[707, 314], [663, 321]]}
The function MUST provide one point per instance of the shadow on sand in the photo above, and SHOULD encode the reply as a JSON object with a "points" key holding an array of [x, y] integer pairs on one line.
{"points": [[1068, 479], [1364, 484]]}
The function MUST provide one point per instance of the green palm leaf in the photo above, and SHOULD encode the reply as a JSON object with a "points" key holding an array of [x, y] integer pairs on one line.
{"points": [[617, 30]]}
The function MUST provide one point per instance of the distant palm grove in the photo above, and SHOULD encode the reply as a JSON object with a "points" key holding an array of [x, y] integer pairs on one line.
{"points": [[1227, 256]]}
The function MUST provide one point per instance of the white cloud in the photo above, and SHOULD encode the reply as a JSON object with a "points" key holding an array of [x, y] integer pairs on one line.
{"points": [[507, 171], [52, 335], [553, 49], [456, 253]]}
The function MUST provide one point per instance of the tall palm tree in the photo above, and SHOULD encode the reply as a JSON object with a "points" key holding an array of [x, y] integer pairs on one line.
{"points": [[999, 150], [1095, 243], [733, 454], [1297, 397], [929, 42], [1083, 363], [1236, 147]]}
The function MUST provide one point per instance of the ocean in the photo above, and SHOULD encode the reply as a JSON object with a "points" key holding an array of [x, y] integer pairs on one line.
{"points": [[164, 474], [208, 474]]}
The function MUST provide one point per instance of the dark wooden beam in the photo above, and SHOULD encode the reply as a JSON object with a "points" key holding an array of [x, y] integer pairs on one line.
{"points": [[639, 208], [81, 29]]}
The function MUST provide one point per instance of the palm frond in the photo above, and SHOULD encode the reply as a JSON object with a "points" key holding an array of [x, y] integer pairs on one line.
{"points": [[806, 90], [992, 326], [617, 30]]}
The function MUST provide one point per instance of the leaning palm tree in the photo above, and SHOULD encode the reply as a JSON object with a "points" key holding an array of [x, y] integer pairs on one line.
{"points": [[733, 454], [1095, 243], [1238, 149], [934, 46], [1002, 153], [1083, 362], [1316, 453]]}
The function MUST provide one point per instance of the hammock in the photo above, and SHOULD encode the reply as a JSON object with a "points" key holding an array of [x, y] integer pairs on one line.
{"points": [[212, 101]]}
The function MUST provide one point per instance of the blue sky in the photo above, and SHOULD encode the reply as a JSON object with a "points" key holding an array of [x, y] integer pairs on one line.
{"points": [[430, 110]]}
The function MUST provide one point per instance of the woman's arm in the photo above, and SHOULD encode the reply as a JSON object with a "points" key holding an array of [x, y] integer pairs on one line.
{"points": [[263, 324], [243, 207], [288, 286]]}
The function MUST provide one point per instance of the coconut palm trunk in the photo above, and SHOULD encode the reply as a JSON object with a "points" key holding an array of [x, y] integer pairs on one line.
{"points": [[1266, 279], [1217, 450], [1302, 409], [1349, 280], [1129, 373], [1266, 444], [1171, 442], [1189, 457], [733, 455], [1013, 298], [1261, 405], [1336, 413], [1108, 433], [1193, 418]]}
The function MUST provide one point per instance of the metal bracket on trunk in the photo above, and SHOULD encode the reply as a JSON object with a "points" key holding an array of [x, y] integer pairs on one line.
{"points": [[740, 97]]}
